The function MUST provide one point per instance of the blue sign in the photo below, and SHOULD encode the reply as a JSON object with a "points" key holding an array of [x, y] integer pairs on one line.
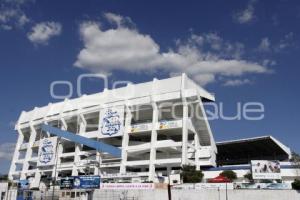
{"points": [[86, 182], [67, 183], [24, 184], [111, 123]]}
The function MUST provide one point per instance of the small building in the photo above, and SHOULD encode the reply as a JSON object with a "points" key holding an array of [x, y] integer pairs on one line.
{"points": [[3, 190], [236, 155]]}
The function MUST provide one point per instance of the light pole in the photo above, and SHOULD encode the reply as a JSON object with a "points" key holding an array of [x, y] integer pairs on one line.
{"points": [[169, 187], [55, 168]]}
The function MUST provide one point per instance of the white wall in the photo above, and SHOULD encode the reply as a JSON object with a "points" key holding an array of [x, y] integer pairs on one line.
{"points": [[199, 194], [3, 188], [235, 194]]}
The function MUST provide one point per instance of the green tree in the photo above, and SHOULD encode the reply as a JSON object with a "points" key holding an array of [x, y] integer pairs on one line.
{"points": [[249, 176], [296, 184], [189, 174], [295, 158], [229, 174], [3, 177]]}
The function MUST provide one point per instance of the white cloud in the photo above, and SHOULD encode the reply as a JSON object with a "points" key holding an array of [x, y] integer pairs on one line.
{"points": [[287, 41], [215, 45], [276, 47], [268, 62], [247, 15], [12, 15], [275, 20], [23, 19], [42, 32], [7, 150], [237, 82], [202, 57], [11, 18], [18, 2], [264, 45], [118, 19], [114, 18]]}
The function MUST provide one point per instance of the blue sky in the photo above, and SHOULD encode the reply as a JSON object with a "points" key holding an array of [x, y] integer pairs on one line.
{"points": [[242, 51]]}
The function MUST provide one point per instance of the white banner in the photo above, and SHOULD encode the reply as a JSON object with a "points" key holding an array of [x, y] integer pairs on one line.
{"points": [[140, 127], [127, 186], [112, 121], [185, 186], [169, 124], [47, 151], [271, 186], [215, 186], [265, 169]]}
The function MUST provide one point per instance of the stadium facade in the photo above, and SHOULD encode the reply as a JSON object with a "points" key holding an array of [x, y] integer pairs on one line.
{"points": [[158, 132], [158, 126]]}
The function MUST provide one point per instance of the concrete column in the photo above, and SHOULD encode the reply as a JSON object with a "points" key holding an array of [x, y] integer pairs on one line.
{"points": [[33, 135], [185, 112], [59, 151], [169, 170], [37, 178], [184, 159], [82, 128], [16, 153], [125, 140], [153, 143], [29, 151], [197, 147], [98, 154], [213, 146]]}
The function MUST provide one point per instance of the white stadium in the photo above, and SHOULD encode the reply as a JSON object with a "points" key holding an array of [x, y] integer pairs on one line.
{"points": [[158, 127]]}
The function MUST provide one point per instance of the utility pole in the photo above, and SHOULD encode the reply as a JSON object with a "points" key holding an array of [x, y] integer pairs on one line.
{"points": [[169, 188]]}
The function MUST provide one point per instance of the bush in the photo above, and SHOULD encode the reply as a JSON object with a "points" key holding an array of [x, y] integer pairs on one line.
{"points": [[296, 184], [248, 176], [189, 174], [229, 174], [295, 158]]}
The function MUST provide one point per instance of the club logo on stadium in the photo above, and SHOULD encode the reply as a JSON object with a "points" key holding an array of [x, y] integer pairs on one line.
{"points": [[111, 123], [77, 182], [47, 152]]}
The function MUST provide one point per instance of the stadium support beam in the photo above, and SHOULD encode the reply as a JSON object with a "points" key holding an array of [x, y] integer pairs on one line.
{"points": [[99, 146]]}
